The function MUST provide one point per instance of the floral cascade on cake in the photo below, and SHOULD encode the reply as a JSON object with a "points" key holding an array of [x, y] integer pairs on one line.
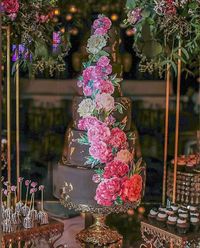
{"points": [[117, 176]]}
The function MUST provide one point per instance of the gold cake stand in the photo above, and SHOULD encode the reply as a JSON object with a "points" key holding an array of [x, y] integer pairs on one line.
{"points": [[98, 235], [157, 237]]}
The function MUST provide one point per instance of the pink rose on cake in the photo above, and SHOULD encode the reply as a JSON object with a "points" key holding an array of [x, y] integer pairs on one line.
{"points": [[101, 152], [103, 61], [118, 138], [115, 169], [10, 6], [101, 25], [91, 73], [98, 132], [131, 188], [86, 107], [105, 86], [87, 91], [104, 101], [124, 156], [87, 122], [108, 191]]}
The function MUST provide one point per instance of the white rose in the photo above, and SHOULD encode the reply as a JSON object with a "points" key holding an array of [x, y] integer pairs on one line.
{"points": [[86, 107], [95, 44], [105, 101]]}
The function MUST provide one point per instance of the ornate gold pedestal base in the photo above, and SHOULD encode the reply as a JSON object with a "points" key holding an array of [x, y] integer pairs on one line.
{"points": [[99, 235]]}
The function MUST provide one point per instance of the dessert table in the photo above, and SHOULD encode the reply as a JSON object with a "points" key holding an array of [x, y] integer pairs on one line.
{"points": [[27, 237], [157, 237]]}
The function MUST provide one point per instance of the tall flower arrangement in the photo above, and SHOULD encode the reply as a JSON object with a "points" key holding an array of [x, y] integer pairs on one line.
{"points": [[32, 27], [160, 28], [117, 177]]}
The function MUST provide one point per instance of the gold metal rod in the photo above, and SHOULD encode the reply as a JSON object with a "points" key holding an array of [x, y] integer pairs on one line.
{"points": [[177, 122], [8, 106], [166, 133], [17, 124]]}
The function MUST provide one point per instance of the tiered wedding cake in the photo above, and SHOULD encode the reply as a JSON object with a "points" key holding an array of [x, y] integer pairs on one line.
{"points": [[97, 171]]}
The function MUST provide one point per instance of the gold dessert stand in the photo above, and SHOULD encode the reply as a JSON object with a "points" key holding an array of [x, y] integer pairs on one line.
{"points": [[22, 237], [98, 235], [157, 237]]}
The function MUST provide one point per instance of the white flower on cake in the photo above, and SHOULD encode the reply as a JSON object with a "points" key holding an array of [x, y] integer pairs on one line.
{"points": [[124, 156], [86, 107], [104, 101], [96, 43]]}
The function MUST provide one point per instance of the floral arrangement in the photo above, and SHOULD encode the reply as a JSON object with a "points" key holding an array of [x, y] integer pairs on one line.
{"points": [[161, 28], [117, 176], [15, 212], [32, 26]]}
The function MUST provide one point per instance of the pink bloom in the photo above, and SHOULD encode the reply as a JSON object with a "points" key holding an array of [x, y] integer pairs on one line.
{"points": [[27, 182], [96, 178], [102, 22], [33, 190], [12, 16], [20, 179], [41, 187], [107, 70], [131, 188], [10, 6], [100, 152], [110, 120], [103, 61], [98, 132], [5, 183], [118, 138], [115, 169], [91, 73], [34, 184], [87, 91], [105, 101], [108, 191], [100, 31], [105, 86], [13, 188], [124, 156], [87, 122]]}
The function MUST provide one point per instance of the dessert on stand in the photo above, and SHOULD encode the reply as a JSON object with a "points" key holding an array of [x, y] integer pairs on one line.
{"points": [[98, 173]]}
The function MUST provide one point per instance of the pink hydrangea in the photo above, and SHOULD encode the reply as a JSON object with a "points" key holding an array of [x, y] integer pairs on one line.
{"points": [[105, 101], [102, 25], [87, 90], [91, 73], [118, 137], [96, 178], [27, 182], [104, 86], [87, 122], [103, 61], [108, 191], [115, 169], [10, 6], [101, 152], [98, 132], [124, 155]]}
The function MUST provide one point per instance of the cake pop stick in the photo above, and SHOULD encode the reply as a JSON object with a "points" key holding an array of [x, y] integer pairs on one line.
{"points": [[41, 188]]}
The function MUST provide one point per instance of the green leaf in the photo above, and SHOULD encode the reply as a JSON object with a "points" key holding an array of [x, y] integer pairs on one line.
{"points": [[146, 13], [119, 201], [185, 52], [91, 161], [103, 53], [114, 150], [131, 135], [99, 171], [151, 48], [83, 140], [146, 33]]}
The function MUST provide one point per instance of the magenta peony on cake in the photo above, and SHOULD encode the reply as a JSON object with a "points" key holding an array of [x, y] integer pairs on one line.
{"points": [[97, 171]]}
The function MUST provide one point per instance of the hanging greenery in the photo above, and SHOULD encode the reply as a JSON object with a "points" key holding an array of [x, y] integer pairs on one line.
{"points": [[160, 28], [32, 25]]}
